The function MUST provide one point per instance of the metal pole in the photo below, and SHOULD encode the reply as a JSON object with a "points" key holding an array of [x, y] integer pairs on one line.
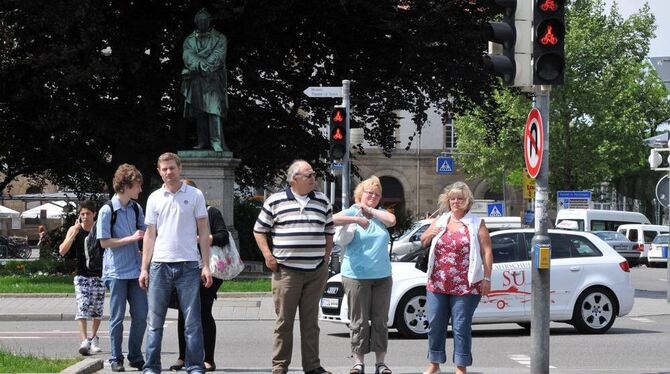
{"points": [[539, 322], [667, 257], [345, 160], [332, 192], [418, 176]]}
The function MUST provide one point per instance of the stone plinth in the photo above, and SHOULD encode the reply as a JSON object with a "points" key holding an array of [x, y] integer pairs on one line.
{"points": [[214, 173]]}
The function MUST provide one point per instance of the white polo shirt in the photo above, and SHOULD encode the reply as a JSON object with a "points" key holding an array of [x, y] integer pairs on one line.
{"points": [[174, 216]]}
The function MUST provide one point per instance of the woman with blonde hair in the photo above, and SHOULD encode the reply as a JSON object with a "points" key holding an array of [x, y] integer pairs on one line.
{"points": [[459, 274], [366, 274]]}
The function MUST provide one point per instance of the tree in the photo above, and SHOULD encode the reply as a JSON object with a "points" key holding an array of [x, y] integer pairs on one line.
{"points": [[93, 84], [611, 100]]}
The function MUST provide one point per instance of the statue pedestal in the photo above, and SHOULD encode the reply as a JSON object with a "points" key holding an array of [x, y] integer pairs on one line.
{"points": [[214, 173]]}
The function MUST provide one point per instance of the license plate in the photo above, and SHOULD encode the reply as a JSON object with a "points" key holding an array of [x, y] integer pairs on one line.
{"points": [[330, 303]]}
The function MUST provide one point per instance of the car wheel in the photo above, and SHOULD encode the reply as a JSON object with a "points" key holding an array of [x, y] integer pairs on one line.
{"points": [[595, 311], [411, 316]]}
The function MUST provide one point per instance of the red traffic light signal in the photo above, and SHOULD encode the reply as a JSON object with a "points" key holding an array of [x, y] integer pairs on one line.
{"points": [[338, 134], [549, 42]]}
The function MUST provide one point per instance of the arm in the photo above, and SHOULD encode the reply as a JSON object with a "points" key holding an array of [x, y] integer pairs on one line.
{"points": [[487, 257], [203, 240], [262, 242], [147, 253], [429, 234], [218, 231], [341, 219], [64, 247], [329, 248], [117, 242], [387, 218]]}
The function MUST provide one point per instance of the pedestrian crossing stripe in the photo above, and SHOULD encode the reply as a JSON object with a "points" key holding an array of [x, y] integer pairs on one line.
{"points": [[495, 212], [445, 167]]}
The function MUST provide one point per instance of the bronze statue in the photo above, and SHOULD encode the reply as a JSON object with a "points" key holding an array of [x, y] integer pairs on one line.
{"points": [[204, 85]]}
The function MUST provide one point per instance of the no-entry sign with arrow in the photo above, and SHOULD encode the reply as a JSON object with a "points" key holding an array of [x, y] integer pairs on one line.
{"points": [[533, 142]]}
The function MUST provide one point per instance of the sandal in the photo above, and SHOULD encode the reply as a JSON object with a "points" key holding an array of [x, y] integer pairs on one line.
{"points": [[210, 367], [179, 365], [357, 369], [382, 369]]}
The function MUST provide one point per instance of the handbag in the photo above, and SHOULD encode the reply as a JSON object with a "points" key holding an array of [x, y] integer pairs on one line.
{"points": [[225, 262], [422, 260]]}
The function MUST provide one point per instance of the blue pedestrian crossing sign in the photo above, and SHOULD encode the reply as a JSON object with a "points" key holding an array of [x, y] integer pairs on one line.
{"points": [[444, 165], [495, 209]]}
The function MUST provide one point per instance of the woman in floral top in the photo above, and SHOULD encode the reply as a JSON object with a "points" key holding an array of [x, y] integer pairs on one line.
{"points": [[459, 274]]}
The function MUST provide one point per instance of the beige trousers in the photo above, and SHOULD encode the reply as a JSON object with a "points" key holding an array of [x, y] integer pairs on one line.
{"points": [[368, 301]]}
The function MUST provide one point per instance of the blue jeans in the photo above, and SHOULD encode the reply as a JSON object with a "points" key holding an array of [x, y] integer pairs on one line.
{"points": [[442, 308], [120, 291], [185, 278]]}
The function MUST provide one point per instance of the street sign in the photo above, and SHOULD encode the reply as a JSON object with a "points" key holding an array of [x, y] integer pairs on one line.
{"points": [[335, 166], [573, 199], [533, 142], [323, 91], [444, 165], [495, 209], [662, 191], [528, 186]]}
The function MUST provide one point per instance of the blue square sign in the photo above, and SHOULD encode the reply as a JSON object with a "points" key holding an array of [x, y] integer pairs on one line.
{"points": [[495, 209], [444, 165]]}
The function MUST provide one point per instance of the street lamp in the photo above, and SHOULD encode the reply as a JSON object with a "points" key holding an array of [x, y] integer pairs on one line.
{"points": [[655, 159]]}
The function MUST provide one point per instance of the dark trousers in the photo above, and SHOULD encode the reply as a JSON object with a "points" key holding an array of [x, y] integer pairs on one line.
{"points": [[207, 297]]}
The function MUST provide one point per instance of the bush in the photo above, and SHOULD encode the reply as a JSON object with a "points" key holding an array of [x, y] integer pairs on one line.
{"points": [[246, 212]]}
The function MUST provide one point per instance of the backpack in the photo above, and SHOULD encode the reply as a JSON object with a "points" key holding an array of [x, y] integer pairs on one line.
{"points": [[94, 252]]}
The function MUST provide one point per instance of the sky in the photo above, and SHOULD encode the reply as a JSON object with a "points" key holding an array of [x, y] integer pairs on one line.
{"points": [[660, 46]]}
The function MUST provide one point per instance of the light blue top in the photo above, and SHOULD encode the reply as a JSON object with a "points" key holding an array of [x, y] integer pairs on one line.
{"points": [[366, 256], [122, 262]]}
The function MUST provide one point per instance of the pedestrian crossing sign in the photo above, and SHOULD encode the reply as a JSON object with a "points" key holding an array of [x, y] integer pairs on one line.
{"points": [[495, 209], [444, 165]]}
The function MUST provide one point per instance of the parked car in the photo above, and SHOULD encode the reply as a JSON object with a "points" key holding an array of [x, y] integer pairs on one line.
{"points": [[409, 241], [621, 244], [590, 286], [642, 236], [658, 253], [599, 220]]}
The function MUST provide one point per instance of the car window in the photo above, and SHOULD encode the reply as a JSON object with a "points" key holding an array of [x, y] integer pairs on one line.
{"points": [[419, 232], [649, 236], [560, 246], [409, 230], [506, 248], [660, 239], [582, 247], [632, 235]]}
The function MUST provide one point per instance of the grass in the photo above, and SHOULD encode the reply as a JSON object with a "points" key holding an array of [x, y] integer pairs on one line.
{"points": [[63, 284], [13, 363]]}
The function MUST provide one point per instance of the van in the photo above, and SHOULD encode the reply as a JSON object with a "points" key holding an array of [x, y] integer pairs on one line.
{"points": [[642, 236], [410, 240], [600, 220]]}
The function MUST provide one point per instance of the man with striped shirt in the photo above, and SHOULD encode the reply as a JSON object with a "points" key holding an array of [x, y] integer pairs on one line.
{"points": [[299, 221]]}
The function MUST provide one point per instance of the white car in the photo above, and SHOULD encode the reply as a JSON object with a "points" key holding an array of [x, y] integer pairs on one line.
{"points": [[658, 253], [590, 286]]}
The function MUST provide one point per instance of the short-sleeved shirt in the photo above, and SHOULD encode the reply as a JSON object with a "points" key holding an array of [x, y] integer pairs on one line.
{"points": [[298, 231], [452, 260], [122, 262], [175, 217], [366, 256]]}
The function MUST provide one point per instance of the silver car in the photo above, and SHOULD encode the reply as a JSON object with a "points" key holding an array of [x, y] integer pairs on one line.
{"points": [[621, 244]]}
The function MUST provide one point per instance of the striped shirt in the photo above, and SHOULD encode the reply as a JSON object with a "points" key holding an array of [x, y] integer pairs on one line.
{"points": [[298, 233]]}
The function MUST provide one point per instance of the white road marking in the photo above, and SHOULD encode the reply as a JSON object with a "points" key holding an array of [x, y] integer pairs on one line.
{"points": [[524, 360], [642, 319]]}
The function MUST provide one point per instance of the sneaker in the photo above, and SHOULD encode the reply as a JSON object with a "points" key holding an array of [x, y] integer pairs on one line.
{"points": [[85, 347], [139, 365], [117, 366], [95, 344]]}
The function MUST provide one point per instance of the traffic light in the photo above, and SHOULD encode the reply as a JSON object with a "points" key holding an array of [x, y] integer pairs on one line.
{"points": [[509, 42], [338, 134], [548, 42]]}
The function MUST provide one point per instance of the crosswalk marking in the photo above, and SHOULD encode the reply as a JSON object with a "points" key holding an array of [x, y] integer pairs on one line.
{"points": [[524, 360], [642, 319]]}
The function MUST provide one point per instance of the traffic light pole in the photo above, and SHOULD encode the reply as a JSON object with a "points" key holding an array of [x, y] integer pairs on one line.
{"points": [[345, 160], [540, 283]]}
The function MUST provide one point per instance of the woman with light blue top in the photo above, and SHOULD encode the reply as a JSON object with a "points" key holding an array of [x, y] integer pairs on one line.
{"points": [[366, 275]]}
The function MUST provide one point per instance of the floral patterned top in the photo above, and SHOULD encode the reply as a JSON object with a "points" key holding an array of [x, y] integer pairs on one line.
{"points": [[450, 271]]}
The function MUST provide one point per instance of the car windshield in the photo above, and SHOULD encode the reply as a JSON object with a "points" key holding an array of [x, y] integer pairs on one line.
{"points": [[410, 230], [661, 239], [610, 235]]}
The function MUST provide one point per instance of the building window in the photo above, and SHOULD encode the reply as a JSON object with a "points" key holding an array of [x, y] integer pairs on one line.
{"points": [[450, 137]]}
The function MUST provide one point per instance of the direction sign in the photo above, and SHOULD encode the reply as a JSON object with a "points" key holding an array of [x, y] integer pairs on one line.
{"points": [[495, 209], [573, 199], [323, 91], [444, 165], [663, 191], [533, 142]]}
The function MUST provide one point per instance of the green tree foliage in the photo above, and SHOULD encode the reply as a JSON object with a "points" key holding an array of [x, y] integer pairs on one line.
{"points": [[611, 100], [90, 84]]}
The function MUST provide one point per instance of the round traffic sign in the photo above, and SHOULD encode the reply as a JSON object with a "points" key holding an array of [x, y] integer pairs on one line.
{"points": [[663, 191], [533, 142]]}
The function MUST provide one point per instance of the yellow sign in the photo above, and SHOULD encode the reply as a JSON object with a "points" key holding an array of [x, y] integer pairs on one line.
{"points": [[528, 186], [544, 257]]}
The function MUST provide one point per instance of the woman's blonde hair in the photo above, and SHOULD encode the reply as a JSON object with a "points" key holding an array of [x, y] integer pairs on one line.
{"points": [[372, 182], [457, 188]]}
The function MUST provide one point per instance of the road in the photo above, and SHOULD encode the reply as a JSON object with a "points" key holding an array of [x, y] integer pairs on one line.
{"points": [[635, 344]]}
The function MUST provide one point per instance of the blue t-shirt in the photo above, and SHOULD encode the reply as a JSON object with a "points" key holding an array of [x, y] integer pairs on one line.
{"points": [[366, 256]]}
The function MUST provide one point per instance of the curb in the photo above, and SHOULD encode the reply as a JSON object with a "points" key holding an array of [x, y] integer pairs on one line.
{"points": [[224, 295], [85, 366]]}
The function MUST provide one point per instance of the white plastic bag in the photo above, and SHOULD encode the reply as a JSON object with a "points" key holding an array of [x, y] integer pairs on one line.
{"points": [[344, 234], [225, 262]]}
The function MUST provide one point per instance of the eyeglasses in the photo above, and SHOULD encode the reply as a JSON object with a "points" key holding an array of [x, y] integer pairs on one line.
{"points": [[308, 175], [372, 193], [456, 199]]}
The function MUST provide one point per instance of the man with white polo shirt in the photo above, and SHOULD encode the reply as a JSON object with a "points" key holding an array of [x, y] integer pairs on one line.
{"points": [[176, 219]]}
